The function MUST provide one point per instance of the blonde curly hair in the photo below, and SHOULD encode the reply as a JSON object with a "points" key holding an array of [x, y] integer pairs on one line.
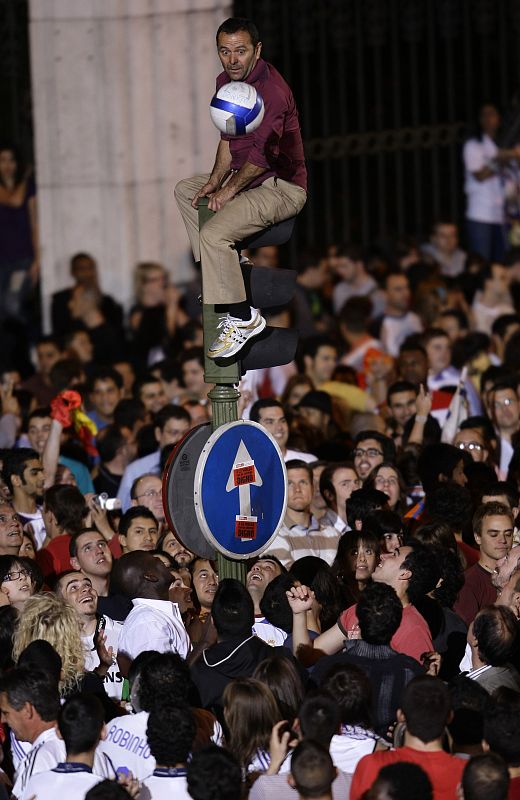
{"points": [[47, 617]]}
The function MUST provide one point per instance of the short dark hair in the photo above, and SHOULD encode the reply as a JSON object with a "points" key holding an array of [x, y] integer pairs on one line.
{"points": [[401, 386], [379, 612], [133, 513], [168, 412], [426, 705], [264, 402], [170, 732], [15, 462], [311, 345], [355, 313], [492, 509], [501, 728], [214, 774], [327, 475], [297, 463], [107, 790], [387, 444], [423, 565], [404, 781], [80, 721], [451, 503], [496, 631], [436, 460], [164, 678], [192, 354], [362, 502], [233, 611], [236, 24], [485, 775], [274, 604], [469, 701], [128, 411], [312, 769], [350, 687], [108, 441], [142, 380], [104, 374], [23, 685], [503, 488], [39, 413], [320, 717], [68, 506]]}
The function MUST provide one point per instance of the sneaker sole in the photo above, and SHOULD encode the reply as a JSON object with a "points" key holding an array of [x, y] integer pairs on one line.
{"points": [[238, 347]]}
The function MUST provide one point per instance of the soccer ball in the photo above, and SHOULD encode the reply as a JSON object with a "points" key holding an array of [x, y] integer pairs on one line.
{"points": [[237, 109]]}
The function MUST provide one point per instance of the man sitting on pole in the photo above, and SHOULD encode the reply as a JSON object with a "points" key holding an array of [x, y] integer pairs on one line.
{"points": [[258, 179]]}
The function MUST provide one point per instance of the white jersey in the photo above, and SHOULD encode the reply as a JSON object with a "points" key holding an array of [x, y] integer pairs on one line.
{"points": [[113, 680], [270, 634], [165, 784], [66, 780], [47, 751], [126, 746]]}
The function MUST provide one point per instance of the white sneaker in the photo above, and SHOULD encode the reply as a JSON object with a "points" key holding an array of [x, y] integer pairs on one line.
{"points": [[235, 334]]}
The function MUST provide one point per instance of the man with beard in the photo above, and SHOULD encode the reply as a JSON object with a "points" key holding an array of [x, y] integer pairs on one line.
{"points": [[22, 473]]}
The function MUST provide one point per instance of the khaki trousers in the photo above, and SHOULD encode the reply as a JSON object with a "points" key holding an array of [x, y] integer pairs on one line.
{"points": [[249, 212]]}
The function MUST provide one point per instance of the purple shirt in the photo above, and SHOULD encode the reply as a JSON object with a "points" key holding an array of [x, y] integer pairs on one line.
{"points": [[15, 230], [276, 145]]}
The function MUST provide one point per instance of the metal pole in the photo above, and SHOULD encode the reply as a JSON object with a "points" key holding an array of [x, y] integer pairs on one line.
{"points": [[224, 395]]}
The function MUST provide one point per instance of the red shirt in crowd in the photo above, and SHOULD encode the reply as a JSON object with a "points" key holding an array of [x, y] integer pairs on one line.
{"points": [[477, 592], [55, 558], [413, 637]]}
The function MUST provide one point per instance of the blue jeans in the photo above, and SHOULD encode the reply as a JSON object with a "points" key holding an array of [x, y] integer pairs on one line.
{"points": [[487, 239]]}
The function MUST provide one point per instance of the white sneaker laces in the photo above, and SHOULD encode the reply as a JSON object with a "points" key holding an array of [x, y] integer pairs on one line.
{"points": [[229, 323]]}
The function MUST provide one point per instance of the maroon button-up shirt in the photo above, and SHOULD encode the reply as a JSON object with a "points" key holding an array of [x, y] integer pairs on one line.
{"points": [[276, 145]]}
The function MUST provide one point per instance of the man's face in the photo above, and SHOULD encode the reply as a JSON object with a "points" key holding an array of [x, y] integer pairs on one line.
{"points": [[413, 366], [299, 490], [505, 567], [93, 555], [472, 442], [446, 238], [38, 433], [82, 345], [77, 590], [193, 376], [315, 417], [177, 551], [205, 582], [324, 363], [84, 272], [47, 354], [398, 292], [105, 396], [273, 420], [261, 573], [509, 594], [33, 480], [172, 432], [141, 535], [237, 54], [505, 408], [439, 353], [17, 720], [501, 278], [345, 268], [402, 406], [390, 567], [495, 538], [367, 455], [11, 534], [149, 495], [458, 475], [345, 481], [451, 326], [161, 573], [152, 396]]}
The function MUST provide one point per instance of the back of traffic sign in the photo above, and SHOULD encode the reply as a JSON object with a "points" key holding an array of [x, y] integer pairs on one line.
{"points": [[240, 489]]}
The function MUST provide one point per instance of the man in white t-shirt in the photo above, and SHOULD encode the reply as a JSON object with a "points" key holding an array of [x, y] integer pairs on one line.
{"points": [[22, 473], [29, 704], [76, 588], [81, 726], [397, 322], [170, 733]]}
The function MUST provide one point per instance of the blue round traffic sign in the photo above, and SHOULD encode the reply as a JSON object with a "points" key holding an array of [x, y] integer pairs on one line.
{"points": [[240, 489]]}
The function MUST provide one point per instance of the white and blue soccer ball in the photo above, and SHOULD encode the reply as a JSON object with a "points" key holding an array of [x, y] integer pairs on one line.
{"points": [[237, 109]]}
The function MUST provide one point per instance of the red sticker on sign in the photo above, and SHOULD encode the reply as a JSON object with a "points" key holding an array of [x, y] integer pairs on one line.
{"points": [[244, 473], [245, 527]]}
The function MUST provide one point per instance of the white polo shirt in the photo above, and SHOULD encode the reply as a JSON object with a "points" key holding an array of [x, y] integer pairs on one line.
{"points": [[66, 780], [154, 625], [165, 784], [47, 751]]}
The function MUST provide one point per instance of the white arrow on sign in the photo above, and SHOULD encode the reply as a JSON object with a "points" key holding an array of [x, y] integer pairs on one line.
{"points": [[244, 491]]}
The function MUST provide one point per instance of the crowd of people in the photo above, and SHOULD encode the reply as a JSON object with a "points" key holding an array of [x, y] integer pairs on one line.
{"points": [[373, 650]]}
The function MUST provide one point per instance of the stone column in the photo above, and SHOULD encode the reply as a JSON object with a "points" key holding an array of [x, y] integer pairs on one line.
{"points": [[120, 91]]}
